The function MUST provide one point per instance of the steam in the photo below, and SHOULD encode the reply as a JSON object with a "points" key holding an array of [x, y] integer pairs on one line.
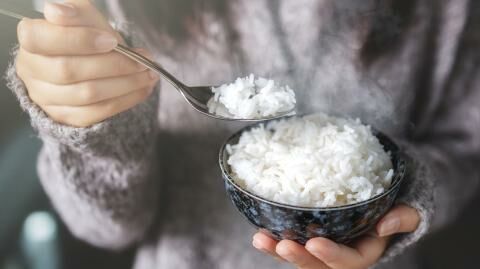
{"points": [[345, 90], [336, 82]]}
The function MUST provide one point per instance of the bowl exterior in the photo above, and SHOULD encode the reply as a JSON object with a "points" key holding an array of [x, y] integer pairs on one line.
{"points": [[341, 225]]}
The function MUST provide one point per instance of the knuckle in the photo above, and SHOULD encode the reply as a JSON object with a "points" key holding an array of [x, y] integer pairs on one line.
{"points": [[88, 93], [34, 96], [20, 69], [110, 108], [124, 65], [22, 62], [78, 38], [63, 70], [141, 79]]}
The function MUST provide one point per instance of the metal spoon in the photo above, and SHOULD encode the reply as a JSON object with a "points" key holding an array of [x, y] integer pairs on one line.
{"points": [[197, 97]]}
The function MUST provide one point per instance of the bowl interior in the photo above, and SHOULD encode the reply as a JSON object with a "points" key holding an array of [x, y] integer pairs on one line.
{"points": [[398, 162]]}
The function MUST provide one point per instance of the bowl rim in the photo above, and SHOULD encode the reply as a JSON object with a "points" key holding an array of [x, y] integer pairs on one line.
{"points": [[399, 174]]}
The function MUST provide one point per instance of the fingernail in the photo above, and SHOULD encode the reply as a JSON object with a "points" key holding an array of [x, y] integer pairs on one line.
{"points": [[153, 75], [105, 42], [255, 242], [61, 9], [389, 226]]}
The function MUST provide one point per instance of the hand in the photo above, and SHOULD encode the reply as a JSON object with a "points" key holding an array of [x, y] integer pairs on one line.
{"points": [[321, 253], [69, 67]]}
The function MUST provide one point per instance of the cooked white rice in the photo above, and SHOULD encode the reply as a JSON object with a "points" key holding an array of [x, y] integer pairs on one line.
{"points": [[251, 98], [315, 161]]}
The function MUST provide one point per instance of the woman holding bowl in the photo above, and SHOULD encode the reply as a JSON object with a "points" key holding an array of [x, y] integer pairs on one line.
{"points": [[128, 166]]}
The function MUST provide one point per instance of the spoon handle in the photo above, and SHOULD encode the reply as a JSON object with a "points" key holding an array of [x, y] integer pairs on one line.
{"points": [[11, 14], [127, 52], [150, 65]]}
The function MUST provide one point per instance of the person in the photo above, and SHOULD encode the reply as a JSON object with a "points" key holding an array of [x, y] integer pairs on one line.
{"points": [[126, 165]]}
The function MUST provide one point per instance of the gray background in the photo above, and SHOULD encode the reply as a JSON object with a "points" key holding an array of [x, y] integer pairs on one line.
{"points": [[20, 193]]}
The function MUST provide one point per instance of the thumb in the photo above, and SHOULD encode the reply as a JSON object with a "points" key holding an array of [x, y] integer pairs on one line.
{"points": [[77, 13], [401, 219]]}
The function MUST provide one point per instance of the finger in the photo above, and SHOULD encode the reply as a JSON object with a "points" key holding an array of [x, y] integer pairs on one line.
{"points": [[371, 247], [266, 244], [298, 255], [42, 37], [401, 219], [334, 255], [88, 92], [84, 116], [367, 251], [263, 241], [71, 69], [77, 13]]}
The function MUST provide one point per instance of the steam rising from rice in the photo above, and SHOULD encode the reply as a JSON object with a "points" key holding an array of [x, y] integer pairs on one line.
{"points": [[251, 98], [316, 160]]}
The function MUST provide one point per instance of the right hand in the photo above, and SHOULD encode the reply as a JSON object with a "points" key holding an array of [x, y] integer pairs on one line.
{"points": [[68, 65]]}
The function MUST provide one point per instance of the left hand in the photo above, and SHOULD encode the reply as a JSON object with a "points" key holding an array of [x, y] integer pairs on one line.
{"points": [[322, 253]]}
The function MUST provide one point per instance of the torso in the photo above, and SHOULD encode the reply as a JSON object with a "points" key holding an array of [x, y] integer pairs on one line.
{"points": [[295, 43]]}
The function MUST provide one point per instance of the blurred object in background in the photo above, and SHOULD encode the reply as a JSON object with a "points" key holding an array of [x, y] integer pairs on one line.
{"points": [[38, 4], [40, 241], [38, 246]]}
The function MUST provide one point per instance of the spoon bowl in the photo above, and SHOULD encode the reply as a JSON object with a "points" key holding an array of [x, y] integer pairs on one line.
{"points": [[199, 96], [196, 96]]}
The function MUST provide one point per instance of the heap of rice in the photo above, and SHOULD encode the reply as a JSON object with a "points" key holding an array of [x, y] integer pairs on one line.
{"points": [[251, 98], [314, 161]]}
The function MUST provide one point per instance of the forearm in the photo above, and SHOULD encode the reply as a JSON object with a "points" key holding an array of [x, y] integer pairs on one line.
{"points": [[104, 187], [101, 178], [103, 201]]}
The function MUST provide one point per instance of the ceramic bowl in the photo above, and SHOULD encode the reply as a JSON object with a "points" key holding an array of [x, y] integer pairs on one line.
{"points": [[341, 224]]}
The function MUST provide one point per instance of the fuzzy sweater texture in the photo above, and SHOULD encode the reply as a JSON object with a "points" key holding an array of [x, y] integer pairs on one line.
{"points": [[148, 178]]}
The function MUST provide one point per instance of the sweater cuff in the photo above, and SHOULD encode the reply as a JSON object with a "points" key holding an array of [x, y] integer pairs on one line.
{"points": [[417, 191], [109, 134]]}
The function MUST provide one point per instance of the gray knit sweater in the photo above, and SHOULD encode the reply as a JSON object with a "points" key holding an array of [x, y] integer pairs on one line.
{"points": [[148, 177]]}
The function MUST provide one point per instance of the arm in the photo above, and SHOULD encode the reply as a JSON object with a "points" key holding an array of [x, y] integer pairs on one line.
{"points": [[444, 174], [444, 149], [99, 177]]}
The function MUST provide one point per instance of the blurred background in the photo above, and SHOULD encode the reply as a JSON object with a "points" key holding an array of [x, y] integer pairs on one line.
{"points": [[32, 236]]}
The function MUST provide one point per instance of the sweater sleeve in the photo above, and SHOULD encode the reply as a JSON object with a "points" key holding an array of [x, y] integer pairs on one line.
{"points": [[100, 179], [444, 147], [441, 181]]}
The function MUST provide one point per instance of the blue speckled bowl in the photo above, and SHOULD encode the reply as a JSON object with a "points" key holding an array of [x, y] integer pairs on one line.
{"points": [[341, 224]]}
